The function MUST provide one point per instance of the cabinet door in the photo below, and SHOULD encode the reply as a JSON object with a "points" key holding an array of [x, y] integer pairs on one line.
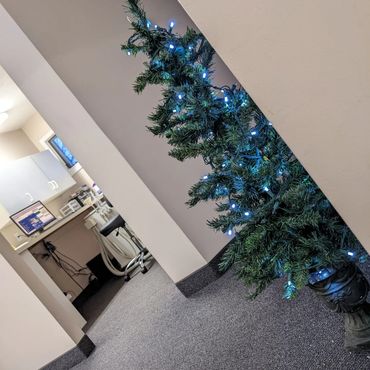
{"points": [[56, 173], [21, 184]]}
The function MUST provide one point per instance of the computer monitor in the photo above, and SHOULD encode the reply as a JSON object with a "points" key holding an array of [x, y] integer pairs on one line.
{"points": [[33, 218]]}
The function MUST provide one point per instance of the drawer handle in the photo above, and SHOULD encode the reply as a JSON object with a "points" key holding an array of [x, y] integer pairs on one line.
{"points": [[30, 197]]}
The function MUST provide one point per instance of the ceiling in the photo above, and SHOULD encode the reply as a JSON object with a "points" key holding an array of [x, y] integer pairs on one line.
{"points": [[13, 102]]}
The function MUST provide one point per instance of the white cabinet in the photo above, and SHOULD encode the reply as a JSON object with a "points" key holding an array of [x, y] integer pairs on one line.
{"points": [[21, 184], [29, 179], [58, 176]]}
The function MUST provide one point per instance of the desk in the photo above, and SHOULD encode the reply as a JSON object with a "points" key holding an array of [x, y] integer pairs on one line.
{"points": [[33, 240]]}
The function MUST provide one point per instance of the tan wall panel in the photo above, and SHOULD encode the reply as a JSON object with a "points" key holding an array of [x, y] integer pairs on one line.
{"points": [[306, 64]]}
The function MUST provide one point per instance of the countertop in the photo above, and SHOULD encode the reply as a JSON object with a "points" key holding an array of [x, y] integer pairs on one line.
{"points": [[36, 238]]}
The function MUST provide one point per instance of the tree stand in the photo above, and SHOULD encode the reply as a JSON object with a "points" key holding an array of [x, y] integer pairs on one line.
{"points": [[345, 291]]}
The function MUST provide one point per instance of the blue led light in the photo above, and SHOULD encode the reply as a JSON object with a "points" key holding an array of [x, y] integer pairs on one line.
{"points": [[265, 188], [172, 46], [172, 24], [205, 177], [247, 214], [204, 75], [155, 26], [226, 99], [190, 47], [270, 123], [129, 53], [350, 254], [254, 133], [180, 96], [230, 232], [174, 111], [233, 206]]}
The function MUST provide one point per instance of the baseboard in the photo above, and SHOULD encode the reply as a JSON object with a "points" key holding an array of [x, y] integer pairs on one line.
{"points": [[73, 357], [202, 277]]}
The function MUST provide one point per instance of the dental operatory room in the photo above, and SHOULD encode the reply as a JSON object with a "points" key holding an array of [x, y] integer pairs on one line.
{"points": [[56, 217]]}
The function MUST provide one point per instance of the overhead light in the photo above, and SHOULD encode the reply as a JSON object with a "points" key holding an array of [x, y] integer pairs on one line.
{"points": [[5, 105], [3, 117]]}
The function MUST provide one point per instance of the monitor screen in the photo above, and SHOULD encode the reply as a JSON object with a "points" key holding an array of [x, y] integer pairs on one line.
{"points": [[33, 218], [63, 152]]}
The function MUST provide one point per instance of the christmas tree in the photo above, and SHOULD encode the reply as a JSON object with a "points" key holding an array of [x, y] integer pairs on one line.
{"points": [[280, 223]]}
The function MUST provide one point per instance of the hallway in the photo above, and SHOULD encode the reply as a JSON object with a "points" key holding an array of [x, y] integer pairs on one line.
{"points": [[151, 326]]}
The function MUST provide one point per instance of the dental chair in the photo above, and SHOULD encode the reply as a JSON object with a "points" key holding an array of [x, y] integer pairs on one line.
{"points": [[141, 259]]}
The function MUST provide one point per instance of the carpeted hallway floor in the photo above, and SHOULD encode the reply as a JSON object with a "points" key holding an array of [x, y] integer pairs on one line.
{"points": [[150, 325]]}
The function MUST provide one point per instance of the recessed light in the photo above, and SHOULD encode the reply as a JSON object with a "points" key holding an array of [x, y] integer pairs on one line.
{"points": [[3, 117], [5, 105]]}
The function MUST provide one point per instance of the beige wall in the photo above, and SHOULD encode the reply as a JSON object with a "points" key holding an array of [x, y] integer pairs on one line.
{"points": [[27, 326], [45, 289], [36, 130], [81, 41], [306, 64], [15, 145]]}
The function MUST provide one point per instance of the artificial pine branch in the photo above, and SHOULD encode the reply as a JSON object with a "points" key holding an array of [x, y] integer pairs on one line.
{"points": [[281, 222]]}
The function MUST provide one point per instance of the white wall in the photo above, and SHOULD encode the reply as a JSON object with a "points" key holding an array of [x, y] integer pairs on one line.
{"points": [[31, 337], [306, 64]]}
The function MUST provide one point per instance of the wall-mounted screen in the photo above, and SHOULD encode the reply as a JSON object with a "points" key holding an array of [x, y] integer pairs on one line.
{"points": [[63, 152]]}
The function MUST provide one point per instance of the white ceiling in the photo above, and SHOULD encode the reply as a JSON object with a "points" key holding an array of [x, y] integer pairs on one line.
{"points": [[13, 102]]}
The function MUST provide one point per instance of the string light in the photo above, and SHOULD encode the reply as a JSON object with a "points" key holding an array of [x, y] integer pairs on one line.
{"points": [[254, 133], [350, 254], [363, 258], [205, 177], [204, 75], [247, 214], [229, 232], [265, 188], [226, 99], [233, 205], [155, 26], [172, 24], [179, 96], [172, 46], [129, 53]]}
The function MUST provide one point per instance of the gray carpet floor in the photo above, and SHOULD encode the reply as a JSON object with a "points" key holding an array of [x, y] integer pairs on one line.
{"points": [[150, 325]]}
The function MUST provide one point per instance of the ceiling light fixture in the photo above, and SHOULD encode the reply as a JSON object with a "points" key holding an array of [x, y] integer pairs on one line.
{"points": [[5, 105], [3, 117]]}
